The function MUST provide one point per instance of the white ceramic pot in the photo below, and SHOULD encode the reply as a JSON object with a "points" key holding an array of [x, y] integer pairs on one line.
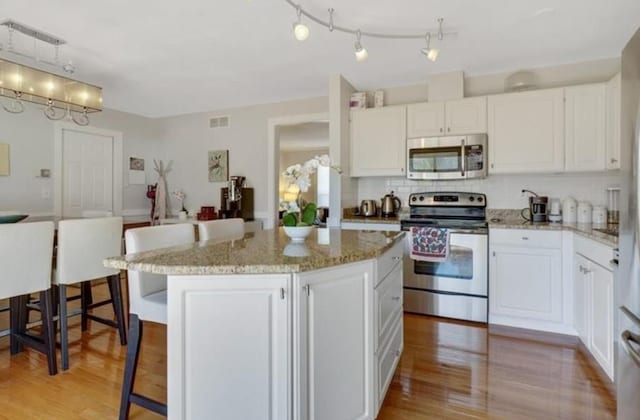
{"points": [[584, 212], [182, 215], [569, 210], [599, 216], [297, 233]]}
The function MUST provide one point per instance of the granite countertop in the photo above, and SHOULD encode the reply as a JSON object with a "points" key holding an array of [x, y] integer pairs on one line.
{"points": [[262, 252], [511, 219]]}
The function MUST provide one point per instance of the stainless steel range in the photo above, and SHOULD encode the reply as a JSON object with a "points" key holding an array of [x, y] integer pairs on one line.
{"points": [[455, 287]]}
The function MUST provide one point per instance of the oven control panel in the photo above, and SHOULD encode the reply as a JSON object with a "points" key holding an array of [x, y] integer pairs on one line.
{"points": [[447, 199]]}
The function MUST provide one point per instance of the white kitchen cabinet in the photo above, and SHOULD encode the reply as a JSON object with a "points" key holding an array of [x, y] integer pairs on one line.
{"points": [[525, 279], [336, 356], [206, 313], [378, 141], [613, 123], [593, 300], [526, 132], [463, 116], [585, 133]]}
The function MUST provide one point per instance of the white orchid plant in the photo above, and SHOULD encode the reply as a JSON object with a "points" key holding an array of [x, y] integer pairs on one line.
{"points": [[300, 176], [180, 196]]}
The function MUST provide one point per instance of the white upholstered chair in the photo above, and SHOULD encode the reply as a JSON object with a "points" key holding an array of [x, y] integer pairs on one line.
{"points": [[26, 251], [147, 302], [83, 244], [221, 229]]}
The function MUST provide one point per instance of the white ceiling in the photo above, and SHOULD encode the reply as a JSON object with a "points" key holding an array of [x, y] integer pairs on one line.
{"points": [[162, 57]]}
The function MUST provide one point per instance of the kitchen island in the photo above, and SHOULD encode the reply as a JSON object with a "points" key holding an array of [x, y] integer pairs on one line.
{"points": [[260, 327]]}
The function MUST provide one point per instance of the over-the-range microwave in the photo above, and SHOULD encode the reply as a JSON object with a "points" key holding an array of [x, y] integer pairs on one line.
{"points": [[452, 157]]}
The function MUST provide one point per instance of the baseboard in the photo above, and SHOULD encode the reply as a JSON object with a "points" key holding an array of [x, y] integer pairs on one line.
{"points": [[534, 335]]}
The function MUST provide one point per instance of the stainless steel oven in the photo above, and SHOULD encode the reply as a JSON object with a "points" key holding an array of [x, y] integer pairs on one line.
{"points": [[454, 157], [456, 287]]}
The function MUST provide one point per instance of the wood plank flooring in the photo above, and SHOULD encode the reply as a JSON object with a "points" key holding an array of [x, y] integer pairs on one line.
{"points": [[449, 370]]}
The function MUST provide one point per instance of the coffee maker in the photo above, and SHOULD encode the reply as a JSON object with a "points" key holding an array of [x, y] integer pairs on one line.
{"points": [[236, 200], [537, 210]]}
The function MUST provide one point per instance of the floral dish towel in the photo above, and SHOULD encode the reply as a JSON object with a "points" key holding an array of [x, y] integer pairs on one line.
{"points": [[429, 244]]}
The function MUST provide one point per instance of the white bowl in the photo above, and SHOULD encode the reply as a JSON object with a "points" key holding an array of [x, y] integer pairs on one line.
{"points": [[297, 233]]}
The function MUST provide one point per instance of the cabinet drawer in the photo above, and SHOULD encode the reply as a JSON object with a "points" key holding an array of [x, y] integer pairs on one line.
{"points": [[595, 251], [388, 359], [527, 237], [388, 260], [388, 303]]}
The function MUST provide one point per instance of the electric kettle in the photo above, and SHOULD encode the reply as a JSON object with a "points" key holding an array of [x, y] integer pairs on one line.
{"points": [[390, 205], [368, 208]]}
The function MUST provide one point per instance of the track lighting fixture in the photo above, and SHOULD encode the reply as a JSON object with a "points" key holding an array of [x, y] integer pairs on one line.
{"points": [[361, 52], [431, 53], [300, 30]]}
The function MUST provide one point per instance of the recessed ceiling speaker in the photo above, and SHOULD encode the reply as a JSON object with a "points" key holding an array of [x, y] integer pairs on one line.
{"points": [[519, 81]]}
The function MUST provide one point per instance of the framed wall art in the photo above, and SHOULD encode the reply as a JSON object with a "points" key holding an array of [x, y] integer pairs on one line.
{"points": [[218, 165]]}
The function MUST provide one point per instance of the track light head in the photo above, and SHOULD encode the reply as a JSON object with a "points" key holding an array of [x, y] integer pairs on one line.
{"points": [[300, 30], [431, 53], [361, 52]]}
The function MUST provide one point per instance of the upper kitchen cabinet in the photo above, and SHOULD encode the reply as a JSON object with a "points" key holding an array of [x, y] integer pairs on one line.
{"points": [[526, 132], [378, 141], [613, 123], [585, 137], [464, 116]]}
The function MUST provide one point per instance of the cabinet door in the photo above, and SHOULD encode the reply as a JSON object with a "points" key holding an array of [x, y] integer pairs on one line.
{"points": [[378, 141], [613, 123], [466, 116], [526, 282], [602, 317], [229, 338], [336, 347], [425, 120], [526, 132], [585, 139], [581, 300]]}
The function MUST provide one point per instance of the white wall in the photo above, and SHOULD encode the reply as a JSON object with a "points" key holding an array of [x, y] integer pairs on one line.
{"points": [[30, 138], [188, 138]]}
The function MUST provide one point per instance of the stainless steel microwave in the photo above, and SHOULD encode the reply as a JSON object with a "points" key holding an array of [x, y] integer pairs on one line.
{"points": [[453, 157]]}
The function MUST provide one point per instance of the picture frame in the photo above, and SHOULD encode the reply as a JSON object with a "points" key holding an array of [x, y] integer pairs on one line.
{"points": [[218, 165]]}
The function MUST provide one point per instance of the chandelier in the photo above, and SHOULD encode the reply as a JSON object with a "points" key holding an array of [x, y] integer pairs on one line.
{"points": [[21, 83], [301, 32]]}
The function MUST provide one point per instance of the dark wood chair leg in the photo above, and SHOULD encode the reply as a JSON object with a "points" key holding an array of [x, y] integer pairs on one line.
{"points": [[118, 308], [64, 326], [48, 333], [85, 300], [131, 364], [15, 324]]}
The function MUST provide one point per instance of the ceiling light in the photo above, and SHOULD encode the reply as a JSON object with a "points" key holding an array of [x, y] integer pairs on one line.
{"points": [[431, 53], [361, 52], [300, 30], [75, 98]]}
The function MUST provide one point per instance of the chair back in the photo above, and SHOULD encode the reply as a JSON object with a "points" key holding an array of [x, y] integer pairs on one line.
{"points": [[26, 253], [146, 239], [221, 229], [83, 244]]}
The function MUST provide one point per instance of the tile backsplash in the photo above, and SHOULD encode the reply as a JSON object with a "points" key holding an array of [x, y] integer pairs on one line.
{"points": [[503, 191]]}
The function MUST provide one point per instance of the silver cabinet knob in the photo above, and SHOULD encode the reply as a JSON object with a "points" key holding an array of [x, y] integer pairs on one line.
{"points": [[614, 160], [396, 298], [396, 258]]}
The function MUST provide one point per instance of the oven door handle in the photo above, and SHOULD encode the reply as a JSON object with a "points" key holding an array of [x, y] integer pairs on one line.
{"points": [[463, 164]]}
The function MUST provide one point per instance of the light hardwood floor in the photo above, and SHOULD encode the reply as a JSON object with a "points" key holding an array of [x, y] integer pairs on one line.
{"points": [[449, 370]]}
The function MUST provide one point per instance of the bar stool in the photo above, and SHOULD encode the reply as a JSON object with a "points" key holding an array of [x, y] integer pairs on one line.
{"points": [[147, 302], [221, 229], [82, 246], [26, 250]]}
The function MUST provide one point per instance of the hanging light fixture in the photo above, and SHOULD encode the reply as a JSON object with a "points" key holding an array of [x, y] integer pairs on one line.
{"points": [[431, 53], [301, 32], [361, 52], [21, 83]]}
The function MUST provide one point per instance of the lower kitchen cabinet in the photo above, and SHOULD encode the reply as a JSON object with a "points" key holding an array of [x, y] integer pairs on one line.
{"points": [[593, 302], [525, 279]]}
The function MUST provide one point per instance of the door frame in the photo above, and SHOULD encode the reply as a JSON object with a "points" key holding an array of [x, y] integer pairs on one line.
{"points": [[273, 158], [59, 128]]}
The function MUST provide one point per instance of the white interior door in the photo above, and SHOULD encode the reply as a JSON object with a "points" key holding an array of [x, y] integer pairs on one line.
{"points": [[88, 171]]}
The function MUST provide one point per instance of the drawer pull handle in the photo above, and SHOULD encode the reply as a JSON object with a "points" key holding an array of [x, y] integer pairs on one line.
{"points": [[397, 298], [525, 238], [396, 258]]}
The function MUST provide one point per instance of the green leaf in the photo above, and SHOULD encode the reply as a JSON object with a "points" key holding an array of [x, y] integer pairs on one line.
{"points": [[289, 219], [309, 214]]}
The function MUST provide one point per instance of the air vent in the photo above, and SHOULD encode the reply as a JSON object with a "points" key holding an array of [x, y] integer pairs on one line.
{"points": [[219, 122]]}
